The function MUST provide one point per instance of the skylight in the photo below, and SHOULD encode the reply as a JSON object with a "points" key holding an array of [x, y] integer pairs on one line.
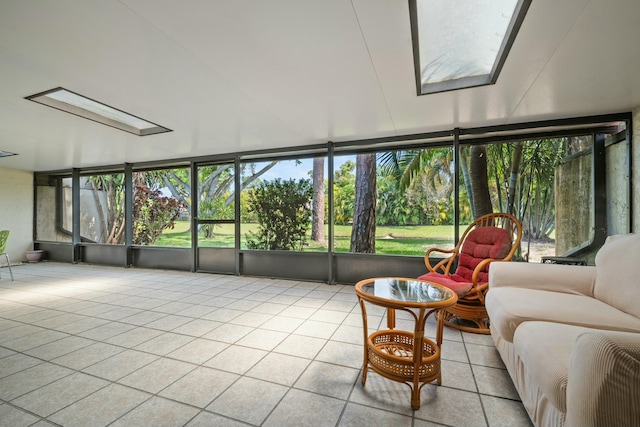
{"points": [[460, 43], [79, 105], [6, 154]]}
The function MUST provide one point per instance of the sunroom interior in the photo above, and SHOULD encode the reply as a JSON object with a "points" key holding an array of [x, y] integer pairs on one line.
{"points": [[220, 96]]}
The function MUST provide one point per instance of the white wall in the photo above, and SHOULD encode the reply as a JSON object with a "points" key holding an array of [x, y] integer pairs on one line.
{"points": [[635, 171], [16, 211]]}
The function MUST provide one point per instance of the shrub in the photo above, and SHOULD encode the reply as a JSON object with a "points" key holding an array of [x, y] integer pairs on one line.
{"points": [[283, 212]]}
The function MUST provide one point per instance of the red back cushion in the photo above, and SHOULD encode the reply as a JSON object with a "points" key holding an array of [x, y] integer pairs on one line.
{"points": [[481, 243]]}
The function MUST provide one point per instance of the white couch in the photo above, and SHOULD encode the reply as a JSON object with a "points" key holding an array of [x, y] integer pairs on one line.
{"points": [[570, 335]]}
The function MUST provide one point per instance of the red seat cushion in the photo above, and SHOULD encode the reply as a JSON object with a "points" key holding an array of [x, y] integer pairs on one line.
{"points": [[481, 243]]}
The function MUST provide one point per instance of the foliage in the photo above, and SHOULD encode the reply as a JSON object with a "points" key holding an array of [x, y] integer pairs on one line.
{"points": [[534, 201], [344, 193], [152, 214], [283, 212]]}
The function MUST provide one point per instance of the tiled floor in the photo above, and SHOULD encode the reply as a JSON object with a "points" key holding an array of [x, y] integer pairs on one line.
{"points": [[85, 346]]}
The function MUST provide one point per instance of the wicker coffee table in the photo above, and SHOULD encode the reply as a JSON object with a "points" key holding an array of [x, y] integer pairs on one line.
{"points": [[398, 355]]}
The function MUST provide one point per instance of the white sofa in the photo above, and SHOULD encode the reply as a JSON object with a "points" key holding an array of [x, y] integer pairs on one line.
{"points": [[570, 335]]}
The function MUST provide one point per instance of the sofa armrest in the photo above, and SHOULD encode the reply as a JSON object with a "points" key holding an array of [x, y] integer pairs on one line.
{"points": [[548, 277], [604, 380]]}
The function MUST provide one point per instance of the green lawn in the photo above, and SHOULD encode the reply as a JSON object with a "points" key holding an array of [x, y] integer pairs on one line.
{"points": [[402, 240]]}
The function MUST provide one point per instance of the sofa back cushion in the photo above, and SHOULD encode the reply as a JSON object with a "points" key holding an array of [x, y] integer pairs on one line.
{"points": [[617, 281]]}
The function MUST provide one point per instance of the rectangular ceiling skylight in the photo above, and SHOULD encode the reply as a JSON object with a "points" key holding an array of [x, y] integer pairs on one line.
{"points": [[6, 154], [460, 43], [82, 106]]}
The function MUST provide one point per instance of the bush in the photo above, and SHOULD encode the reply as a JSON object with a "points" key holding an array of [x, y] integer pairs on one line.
{"points": [[283, 212], [152, 214]]}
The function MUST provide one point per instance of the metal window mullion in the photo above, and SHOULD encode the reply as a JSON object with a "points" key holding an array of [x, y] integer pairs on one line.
{"points": [[128, 213], [195, 197], [75, 215], [456, 184], [237, 180], [330, 251]]}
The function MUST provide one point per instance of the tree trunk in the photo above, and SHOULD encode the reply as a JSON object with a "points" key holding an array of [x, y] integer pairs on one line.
{"points": [[516, 160], [479, 181], [464, 166], [363, 233], [317, 226]]}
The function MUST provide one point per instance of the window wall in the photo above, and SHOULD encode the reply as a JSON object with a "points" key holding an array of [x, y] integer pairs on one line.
{"points": [[337, 208]]}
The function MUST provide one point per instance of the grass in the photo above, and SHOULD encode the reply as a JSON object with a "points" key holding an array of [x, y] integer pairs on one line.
{"points": [[401, 240]]}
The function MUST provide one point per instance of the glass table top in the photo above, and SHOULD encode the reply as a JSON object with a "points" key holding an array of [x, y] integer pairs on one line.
{"points": [[405, 290]]}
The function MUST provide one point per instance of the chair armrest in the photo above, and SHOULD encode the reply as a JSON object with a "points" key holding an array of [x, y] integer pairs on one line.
{"points": [[549, 277], [443, 265], [603, 387]]}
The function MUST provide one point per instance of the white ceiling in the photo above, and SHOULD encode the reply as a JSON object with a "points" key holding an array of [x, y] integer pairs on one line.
{"points": [[241, 75]]}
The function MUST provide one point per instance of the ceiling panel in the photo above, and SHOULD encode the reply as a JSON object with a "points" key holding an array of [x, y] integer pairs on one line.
{"points": [[229, 76]]}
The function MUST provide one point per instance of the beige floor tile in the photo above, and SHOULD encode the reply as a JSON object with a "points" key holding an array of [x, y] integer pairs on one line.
{"points": [[350, 355], [458, 375], [106, 331], [328, 379], [197, 327], [328, 316], [120, 365], [251, 319], [262, 339], [15, 363], [169, 322], [298, 345], [236, 359], [199, 387], [437, 406], [505, 413], [453, 350], [279, 368], [59, 394], [87, 356], [198, 351], [34, 340], [282, 324], [60, 347], [495, 382], [357, 415], [484, 355], [157, 375], [100, 408], [207, 419], [13, 417], [298, 312], [164, 344], [79, 326], [248, 400], [223, 315], [228, 333], [349, 334], [134, 337], [30, 379], [313, 328], [158, 412], [382, 393], [300, 408], [143, 318]]}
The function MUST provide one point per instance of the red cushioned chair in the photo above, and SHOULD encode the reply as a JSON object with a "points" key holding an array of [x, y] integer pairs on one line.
{"points": [[490, 238]]}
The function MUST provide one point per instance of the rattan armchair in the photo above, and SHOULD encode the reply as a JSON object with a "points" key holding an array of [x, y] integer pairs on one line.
{"points": [[465, 269]]}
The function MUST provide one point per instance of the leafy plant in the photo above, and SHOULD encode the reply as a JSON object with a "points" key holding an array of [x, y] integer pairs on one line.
{"points": [[153, 214], [283, 210]]}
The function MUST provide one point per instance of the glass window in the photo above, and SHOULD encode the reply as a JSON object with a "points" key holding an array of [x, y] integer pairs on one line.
{"points": [[216, 206], [161, 207], [53, 208], [463, 43], [413, 201], [102, 218], [277, 205]]}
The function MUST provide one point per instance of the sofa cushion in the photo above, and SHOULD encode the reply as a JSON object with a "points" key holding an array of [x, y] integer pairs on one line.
{"points": [[509, 307], [545, 351], [617, 281]]}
